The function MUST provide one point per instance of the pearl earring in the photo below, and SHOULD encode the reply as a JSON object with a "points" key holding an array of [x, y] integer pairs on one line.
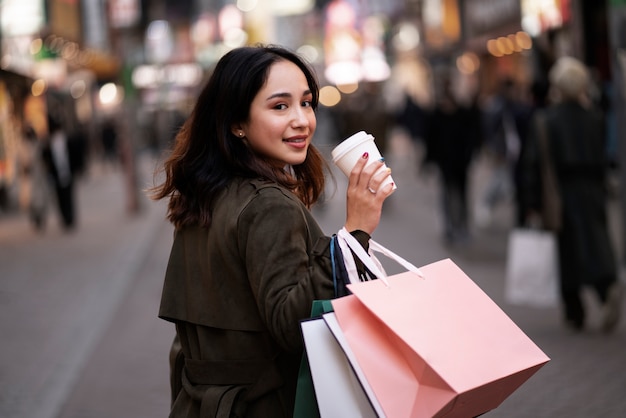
{"points": [[241, 134]]}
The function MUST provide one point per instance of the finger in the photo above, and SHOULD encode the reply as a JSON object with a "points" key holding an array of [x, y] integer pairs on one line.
{"points": [[388, 189], [379, 177], [368, 174], [355, 174]]}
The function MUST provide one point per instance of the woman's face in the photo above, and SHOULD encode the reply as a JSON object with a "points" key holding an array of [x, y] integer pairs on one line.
{"points": [[282, 120]]}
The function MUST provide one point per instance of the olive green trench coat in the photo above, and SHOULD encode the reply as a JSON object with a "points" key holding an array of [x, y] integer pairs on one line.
{"points": [[237, 292]]}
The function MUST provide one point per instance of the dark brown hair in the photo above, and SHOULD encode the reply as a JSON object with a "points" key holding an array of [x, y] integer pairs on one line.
{"points": [[206, 155]]}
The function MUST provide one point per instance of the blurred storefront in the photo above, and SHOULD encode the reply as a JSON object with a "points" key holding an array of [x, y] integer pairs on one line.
{"points": [[143, 62], [493, 31], [514, 39], [11, 86], [47, 67], [158, 52], [51, 50]]}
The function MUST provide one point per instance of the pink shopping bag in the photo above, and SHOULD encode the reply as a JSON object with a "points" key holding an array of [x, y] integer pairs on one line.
{"points": [[435, 345]]}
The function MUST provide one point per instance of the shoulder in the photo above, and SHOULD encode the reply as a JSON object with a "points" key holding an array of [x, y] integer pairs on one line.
{"points": [[256, 195], [270, 196], [264, 188], [271, 211], [251, 188]]}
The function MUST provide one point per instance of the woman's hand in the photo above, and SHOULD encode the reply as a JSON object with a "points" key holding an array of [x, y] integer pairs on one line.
{"points": [[365, 196]]}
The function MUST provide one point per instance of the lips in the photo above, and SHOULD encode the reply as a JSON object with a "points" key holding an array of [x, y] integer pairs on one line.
{"points": [[296, 141]]}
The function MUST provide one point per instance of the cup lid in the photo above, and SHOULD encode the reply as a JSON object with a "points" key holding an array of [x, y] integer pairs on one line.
{"points": [[349, 143]]}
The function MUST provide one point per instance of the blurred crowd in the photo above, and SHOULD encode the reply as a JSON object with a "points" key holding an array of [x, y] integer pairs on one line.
{"points": [[549, 154], [456, 125], [450, 119]]}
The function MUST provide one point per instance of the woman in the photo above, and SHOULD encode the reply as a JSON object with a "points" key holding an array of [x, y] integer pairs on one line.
{"points": [[248, 259], [574, 136]]}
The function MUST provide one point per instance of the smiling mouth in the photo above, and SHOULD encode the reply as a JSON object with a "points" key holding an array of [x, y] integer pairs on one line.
{"points": [[295, 140]]}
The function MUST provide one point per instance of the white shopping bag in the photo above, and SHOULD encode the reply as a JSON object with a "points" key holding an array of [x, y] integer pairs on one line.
{"points": [[338, 391], [532, 270]]}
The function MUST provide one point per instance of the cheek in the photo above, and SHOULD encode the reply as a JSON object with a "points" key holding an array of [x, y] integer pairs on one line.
{"points": [[270, 123]]}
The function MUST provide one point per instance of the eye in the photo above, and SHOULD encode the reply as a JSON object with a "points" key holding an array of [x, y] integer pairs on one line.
{"points": [[280, 106], [307, 103]]}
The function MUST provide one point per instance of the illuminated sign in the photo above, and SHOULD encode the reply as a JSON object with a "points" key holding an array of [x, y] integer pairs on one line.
{"points": [[181, 75], [21, 17]]}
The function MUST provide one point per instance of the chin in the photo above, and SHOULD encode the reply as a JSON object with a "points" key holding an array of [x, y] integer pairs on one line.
{"points": [[299, 161]]}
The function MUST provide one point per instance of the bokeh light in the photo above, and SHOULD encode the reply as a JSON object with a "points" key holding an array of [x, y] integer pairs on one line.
{"points": [[329, 96]]}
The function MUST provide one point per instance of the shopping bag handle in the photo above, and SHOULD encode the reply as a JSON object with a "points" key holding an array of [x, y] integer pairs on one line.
{"points": [[347, 242]]}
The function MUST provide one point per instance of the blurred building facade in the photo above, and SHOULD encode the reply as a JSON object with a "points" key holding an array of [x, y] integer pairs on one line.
{"points": [[158, 52], [143, 62]]}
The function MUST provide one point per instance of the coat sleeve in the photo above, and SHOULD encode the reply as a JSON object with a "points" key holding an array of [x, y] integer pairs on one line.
{"points": [[280, 247]]}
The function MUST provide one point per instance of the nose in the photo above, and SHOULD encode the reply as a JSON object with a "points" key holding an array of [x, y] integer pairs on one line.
{"points": [[300, 117]]}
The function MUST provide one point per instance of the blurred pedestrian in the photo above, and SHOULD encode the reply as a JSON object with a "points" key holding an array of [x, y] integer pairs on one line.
{"points": [[34, 193], [109, 143], [451, 138], [574, 137], [248, 259], [365, 110], [64, 159], [411, 116], [505, 124]]}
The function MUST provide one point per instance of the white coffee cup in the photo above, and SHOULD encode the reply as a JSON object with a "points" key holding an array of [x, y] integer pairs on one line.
{"points": [[347, 153]]}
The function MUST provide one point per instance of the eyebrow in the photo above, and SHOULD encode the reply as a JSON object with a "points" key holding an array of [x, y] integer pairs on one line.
{"points": [[285, 94]]}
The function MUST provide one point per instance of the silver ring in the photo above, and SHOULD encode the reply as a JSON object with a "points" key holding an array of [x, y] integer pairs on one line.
{"points": [[372, 191]]}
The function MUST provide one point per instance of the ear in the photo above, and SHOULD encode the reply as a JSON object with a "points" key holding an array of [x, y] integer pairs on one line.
{"points": [[237, 130]]}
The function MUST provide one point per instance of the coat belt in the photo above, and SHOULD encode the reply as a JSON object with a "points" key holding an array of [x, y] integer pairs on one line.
{"points": [[255, 378], [204, 372]]}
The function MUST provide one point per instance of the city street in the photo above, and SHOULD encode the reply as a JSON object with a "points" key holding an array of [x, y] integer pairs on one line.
{"points": [[78, 311]]}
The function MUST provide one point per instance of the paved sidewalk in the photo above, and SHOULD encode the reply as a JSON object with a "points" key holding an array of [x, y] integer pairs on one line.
{"points": [[60, 291]]}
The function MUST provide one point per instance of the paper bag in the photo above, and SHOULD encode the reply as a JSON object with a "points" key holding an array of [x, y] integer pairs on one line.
{"points": [[532, 268], [434, 346], [338, 391], [306, 403]]}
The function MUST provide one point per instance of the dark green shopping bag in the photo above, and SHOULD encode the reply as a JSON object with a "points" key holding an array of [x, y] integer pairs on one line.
{"points": [[306, 402]]}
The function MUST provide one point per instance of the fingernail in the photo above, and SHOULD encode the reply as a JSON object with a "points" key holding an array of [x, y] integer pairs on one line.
{"points": [[382, 159], [388, 170], [366, 154]]}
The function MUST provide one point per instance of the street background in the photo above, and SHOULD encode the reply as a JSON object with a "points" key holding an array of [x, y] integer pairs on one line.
{"points": [[78, 311]]}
